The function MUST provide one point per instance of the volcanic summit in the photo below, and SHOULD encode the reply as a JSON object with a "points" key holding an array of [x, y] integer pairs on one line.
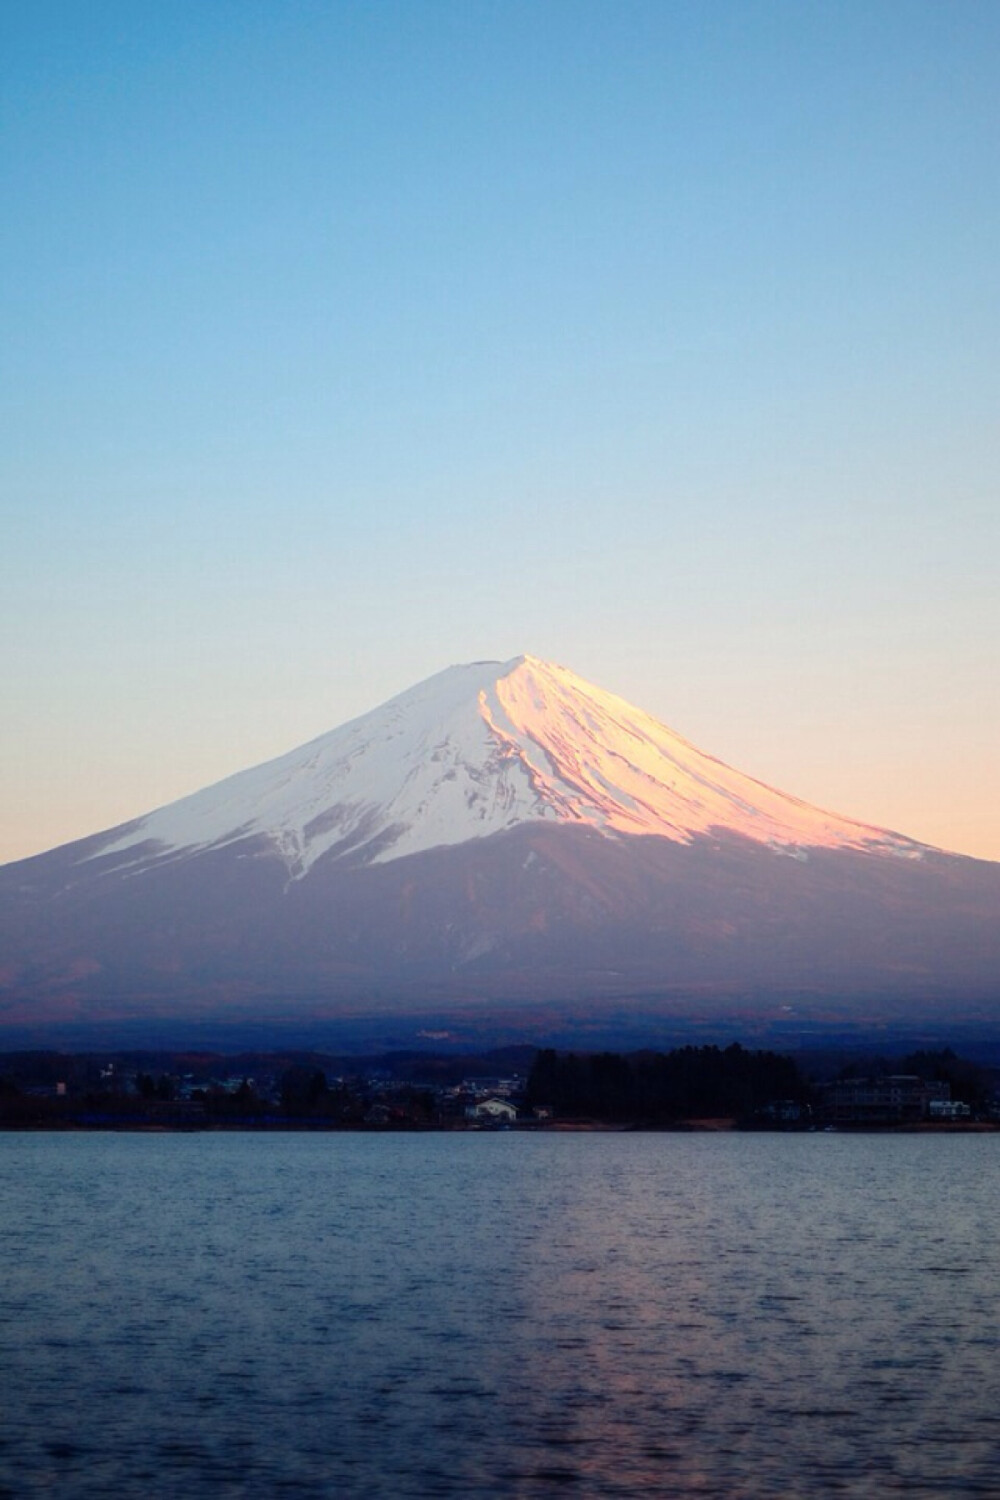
{"points": [[502, 833]]}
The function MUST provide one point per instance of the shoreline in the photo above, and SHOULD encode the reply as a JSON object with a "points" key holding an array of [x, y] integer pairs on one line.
{"points": [[713, 1126]]}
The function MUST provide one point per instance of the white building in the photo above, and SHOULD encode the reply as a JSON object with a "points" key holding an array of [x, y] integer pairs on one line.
{"points": [[948, 1109], [499, 1111]]}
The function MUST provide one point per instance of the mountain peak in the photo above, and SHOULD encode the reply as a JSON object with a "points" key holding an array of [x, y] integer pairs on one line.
{"points": [[477, 750], [502, 834]]}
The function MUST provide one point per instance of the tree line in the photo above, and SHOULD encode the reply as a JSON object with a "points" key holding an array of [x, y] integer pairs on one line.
{"points": [[659, 1087]]}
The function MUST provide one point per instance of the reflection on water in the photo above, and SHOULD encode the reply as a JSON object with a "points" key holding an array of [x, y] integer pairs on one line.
{"points": [[473, 1315]]}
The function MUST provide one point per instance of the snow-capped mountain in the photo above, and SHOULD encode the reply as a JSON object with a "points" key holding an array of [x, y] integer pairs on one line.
{"points": [[503, 834], [478, 750]]}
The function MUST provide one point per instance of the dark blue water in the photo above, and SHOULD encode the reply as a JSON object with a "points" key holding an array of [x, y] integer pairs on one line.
{"points": [[483, 1315]]}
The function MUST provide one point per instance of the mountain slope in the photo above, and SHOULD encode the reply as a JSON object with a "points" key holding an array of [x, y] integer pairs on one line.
{"points": [[479, 750], [498, 834]]}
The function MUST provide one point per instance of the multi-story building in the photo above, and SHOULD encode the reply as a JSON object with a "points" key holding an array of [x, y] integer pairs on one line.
{"points": [[881, 1101]]}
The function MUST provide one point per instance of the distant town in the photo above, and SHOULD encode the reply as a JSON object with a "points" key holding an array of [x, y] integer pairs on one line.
{"points": [[521, 1088]]}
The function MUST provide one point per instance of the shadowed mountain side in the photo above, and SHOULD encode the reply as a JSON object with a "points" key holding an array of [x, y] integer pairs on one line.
{"points": [[541, 913]]}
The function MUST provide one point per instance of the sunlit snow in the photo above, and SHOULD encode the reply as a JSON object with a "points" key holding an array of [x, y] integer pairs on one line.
{"points": [[480, 749]]}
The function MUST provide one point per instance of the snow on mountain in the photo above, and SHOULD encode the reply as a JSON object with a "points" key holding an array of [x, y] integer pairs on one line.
{"points": [[478, 750], [562, 849]]}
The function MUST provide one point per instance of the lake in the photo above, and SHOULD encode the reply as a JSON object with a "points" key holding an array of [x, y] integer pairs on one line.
{"points": [[261, 1315]]}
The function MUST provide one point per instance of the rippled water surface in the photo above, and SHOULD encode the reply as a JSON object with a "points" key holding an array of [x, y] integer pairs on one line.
{"points": [[482, 1315]]}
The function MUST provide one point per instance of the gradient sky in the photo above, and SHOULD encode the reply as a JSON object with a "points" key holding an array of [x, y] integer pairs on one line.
{"points": [[341, 342]]}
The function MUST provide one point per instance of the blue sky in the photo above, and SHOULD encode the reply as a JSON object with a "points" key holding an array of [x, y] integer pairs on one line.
{"points": [[344, 341]]}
